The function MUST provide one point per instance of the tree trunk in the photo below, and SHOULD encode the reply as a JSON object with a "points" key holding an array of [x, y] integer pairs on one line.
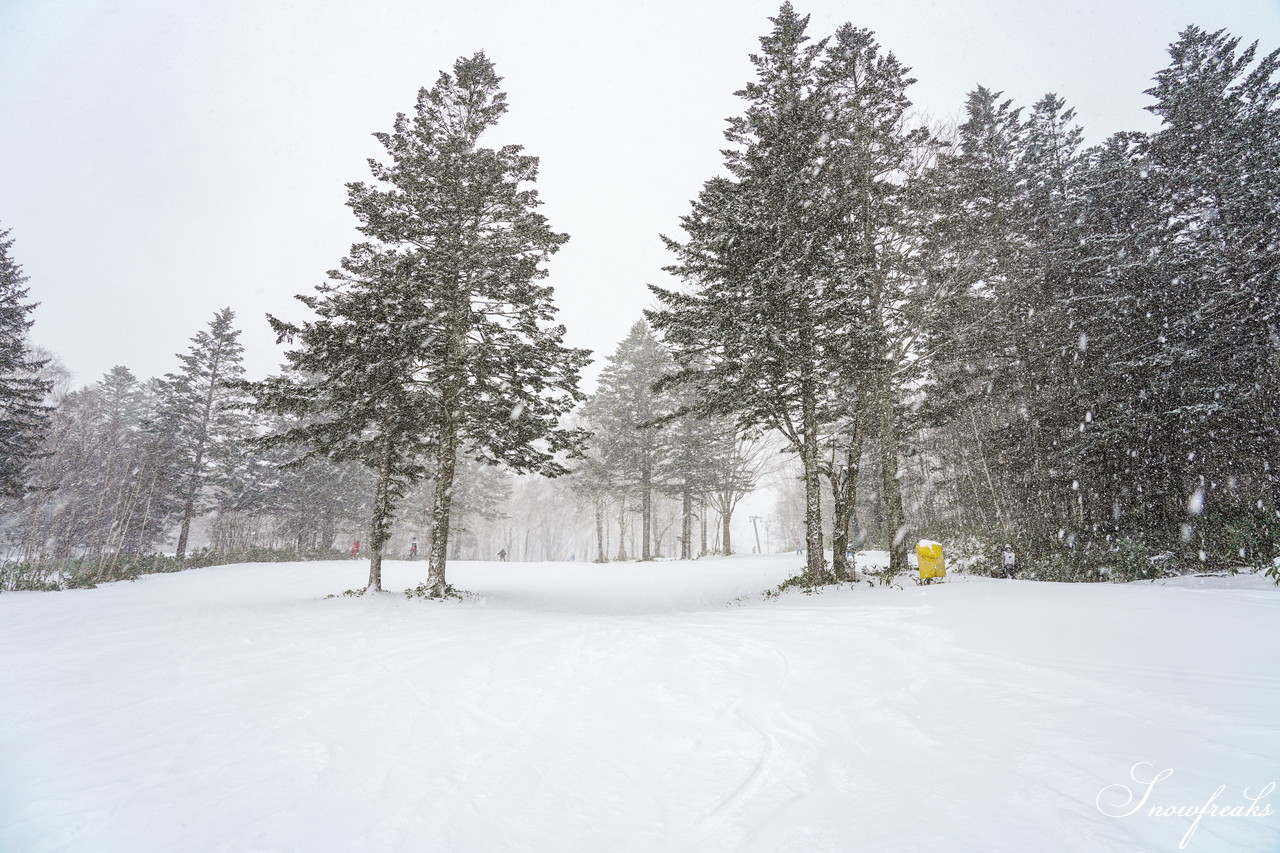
{"points": [[451, 389], [855, 528], [622, 530], [381, 517], [891, 488], [446, 464], [815, 564], [188, 509], [686, 523], [844, 494], [189, 505], [202, 442], [646, 514], [702, 519], [725, 516], [600, 557]]}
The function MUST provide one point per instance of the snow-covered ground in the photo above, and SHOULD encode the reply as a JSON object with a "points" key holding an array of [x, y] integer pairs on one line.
{"points": [[575, 707]]}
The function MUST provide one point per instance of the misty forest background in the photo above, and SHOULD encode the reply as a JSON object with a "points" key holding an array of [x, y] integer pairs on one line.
{"points": [[982, 332]]}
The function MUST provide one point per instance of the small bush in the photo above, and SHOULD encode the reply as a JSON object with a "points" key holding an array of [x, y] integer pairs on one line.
{"points": [[801, 582], [1130, 560], [808, 585], [1234, 542], [1059, 567], [423, 590], [1095, 562], [349, 593], [88, 572], [26, 577], [206, 557]]}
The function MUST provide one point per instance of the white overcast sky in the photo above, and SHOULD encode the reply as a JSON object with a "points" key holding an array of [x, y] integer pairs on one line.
{"points": [[162, 159]]}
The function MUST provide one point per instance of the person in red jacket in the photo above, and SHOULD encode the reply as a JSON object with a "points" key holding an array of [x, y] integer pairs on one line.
{"points": [[355, 550]]}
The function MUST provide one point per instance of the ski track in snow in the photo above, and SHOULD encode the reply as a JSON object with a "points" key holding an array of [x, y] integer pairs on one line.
{"points": [[628, 707]]}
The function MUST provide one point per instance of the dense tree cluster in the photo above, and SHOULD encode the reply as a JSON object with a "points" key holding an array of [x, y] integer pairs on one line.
{"points": [[1073, 346], [127, 465], [1109, 369], [991, 331], [649, 441], [798, 265]]}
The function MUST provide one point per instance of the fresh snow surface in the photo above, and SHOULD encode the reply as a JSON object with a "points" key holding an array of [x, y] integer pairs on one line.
{"points": [[632, 707]]}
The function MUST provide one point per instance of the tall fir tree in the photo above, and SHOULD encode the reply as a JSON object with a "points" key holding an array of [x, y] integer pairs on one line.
{"points": [[1215, 164], [872, 163], [352, 392], [794, 260], [756, 257], [622, 416], [686, 471], [24, 417], [436, 338], [203, 414], [980, 239]]}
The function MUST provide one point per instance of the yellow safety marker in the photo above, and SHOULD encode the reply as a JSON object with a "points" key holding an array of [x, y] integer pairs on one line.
{"points": [[932, 564]]}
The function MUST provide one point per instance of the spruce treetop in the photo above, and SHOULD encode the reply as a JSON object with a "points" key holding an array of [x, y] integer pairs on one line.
{"points": [[24, 419]]}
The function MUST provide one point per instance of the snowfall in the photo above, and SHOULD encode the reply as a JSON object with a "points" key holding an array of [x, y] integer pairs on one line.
{"points": [[638, 707]]}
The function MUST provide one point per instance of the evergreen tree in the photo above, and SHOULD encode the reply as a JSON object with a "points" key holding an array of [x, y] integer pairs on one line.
{"points": [[1110, 351], [623, 417], [310, 502], [202, 411], [685, 467], [993, 338], [24, 418], [873, 160], [1215, 164], [352, 393], [435, 339], [757, 257], [795, 260]]}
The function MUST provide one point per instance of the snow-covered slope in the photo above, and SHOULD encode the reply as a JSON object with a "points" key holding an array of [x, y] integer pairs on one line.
{"points": [[575, 707]]}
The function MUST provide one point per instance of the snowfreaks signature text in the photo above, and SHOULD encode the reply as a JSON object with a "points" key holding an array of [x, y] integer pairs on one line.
{"points": [[1109, 804]]}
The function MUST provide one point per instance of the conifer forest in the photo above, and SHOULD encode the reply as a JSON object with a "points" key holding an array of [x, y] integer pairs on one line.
{"points": [[889, 326]]}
